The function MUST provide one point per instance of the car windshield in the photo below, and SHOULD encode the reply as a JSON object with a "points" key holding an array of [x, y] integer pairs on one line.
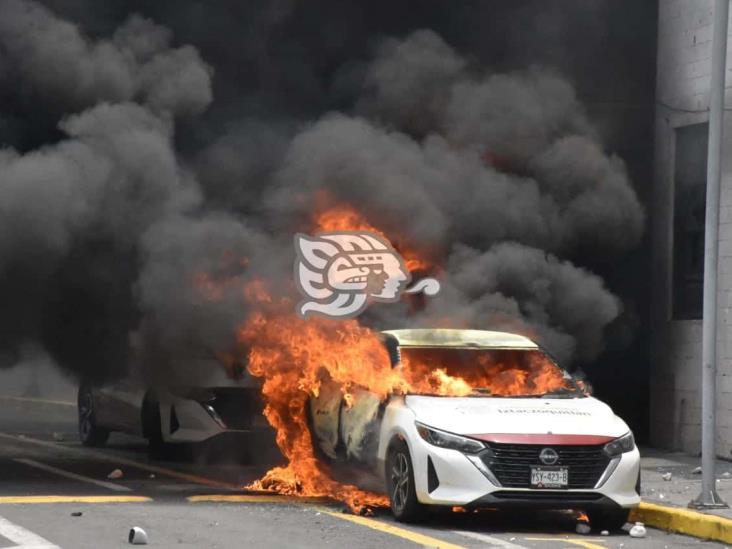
{"points": [[493, 372]]}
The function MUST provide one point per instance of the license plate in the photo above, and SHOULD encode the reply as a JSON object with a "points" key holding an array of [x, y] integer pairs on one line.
{"points": [[549, 477]]}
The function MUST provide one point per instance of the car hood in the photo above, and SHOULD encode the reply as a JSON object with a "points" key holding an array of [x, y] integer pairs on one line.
{"points": [[491, 415]]}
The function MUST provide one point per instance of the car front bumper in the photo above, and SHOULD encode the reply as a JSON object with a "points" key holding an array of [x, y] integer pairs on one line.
{"points": [[461, 483]]}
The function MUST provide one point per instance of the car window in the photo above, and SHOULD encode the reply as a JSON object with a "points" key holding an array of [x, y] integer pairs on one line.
{"points": [[493, 372]]}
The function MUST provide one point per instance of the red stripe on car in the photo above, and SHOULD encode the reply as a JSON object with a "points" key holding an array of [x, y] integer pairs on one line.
{"points": [[548, 439]]}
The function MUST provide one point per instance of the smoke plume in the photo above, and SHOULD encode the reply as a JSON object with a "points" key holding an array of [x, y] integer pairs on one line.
{"points": [[126, 235]]}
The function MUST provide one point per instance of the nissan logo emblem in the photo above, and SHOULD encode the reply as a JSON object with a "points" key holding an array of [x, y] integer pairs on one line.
{"points": [[548, 456]]}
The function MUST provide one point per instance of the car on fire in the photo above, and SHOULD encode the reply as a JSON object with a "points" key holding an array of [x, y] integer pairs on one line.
{"points": [[220, 415], [496, 447]]}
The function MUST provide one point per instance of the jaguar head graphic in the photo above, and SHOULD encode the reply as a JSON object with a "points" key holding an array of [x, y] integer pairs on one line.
{"points": [[338, 274]]}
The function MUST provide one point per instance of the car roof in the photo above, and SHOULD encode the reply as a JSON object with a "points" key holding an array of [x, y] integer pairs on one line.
{"points": [[443, 337]]}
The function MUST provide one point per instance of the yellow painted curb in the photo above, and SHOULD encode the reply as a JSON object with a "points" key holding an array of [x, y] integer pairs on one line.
{"points": [[252, 498], [684, 521]]}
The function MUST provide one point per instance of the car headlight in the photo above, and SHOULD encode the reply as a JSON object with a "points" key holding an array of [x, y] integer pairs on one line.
{"points": [[211, 411], [620, 445], [448, 440]]}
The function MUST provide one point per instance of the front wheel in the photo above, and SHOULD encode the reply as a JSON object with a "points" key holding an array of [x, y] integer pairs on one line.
{"points": [[89, 433], [608, 519], [400, 484]]}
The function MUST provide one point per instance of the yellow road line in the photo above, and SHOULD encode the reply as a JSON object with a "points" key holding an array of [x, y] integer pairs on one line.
{"points": [[73, 499], [419, 539], [38, 400], [684, 521], [252, 498], [587, 544], [119, 460]]}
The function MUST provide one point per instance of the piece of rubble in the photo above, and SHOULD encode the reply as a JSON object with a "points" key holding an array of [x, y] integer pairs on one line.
{"points": [[76, 514], [117, 473], [604, 533], [666, 476], [152, 475], [58, 437], [583, 528], [726, 474], [137, 536], [696, 471], [661, 496], [638, 530]]}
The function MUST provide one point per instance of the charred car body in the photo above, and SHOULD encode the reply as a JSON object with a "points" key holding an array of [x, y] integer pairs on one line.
{"points": [[555, 449], [211, 415]]}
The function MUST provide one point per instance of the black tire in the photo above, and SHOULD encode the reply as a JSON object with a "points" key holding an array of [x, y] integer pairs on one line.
{"points": [[152, 429], [90, 433], [608, 519], [400, 484]]}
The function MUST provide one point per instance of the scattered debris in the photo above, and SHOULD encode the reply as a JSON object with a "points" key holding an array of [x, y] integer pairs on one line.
{"points": [[583, 528], [76, 514], [696, 471], [661, 496], [117, 473], [58, 437], [666, 476], [638, 530], [604, 533], [137, 536]]}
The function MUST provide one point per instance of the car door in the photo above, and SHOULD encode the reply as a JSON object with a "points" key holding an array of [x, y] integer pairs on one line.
{"points": [[325, 417], [360, 420]]}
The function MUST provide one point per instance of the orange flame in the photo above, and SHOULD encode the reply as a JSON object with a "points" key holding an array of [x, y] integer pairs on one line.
{"points": [[344, 217], [289, 354], [293, 356]]}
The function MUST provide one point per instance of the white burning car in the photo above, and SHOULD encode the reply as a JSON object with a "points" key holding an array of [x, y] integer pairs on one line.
{"points": [[494, 448]]}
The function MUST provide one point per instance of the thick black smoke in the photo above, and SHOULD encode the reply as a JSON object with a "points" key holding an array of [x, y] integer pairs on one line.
{"points": [[443, 155], [128, 232]]}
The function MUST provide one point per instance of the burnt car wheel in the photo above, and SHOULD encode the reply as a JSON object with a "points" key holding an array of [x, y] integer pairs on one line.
{"points": [[608, 519], [89, 432], [400, 484]]}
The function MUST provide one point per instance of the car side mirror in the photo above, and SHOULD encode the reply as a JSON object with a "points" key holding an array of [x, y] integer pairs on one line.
{"points": [[584, 385]]}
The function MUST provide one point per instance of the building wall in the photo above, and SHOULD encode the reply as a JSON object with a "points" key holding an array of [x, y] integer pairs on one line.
{"points": [[682, 95]]}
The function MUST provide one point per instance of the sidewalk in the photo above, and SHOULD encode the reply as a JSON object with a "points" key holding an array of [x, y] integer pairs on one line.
{"points": [[665, 502], [684, 485]]}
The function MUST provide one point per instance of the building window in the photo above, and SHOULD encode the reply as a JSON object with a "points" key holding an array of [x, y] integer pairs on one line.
{"points": [[690, 178]]}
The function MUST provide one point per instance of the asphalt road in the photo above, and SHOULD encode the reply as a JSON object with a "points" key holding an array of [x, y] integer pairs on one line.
{"points": [[46, 477]]}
